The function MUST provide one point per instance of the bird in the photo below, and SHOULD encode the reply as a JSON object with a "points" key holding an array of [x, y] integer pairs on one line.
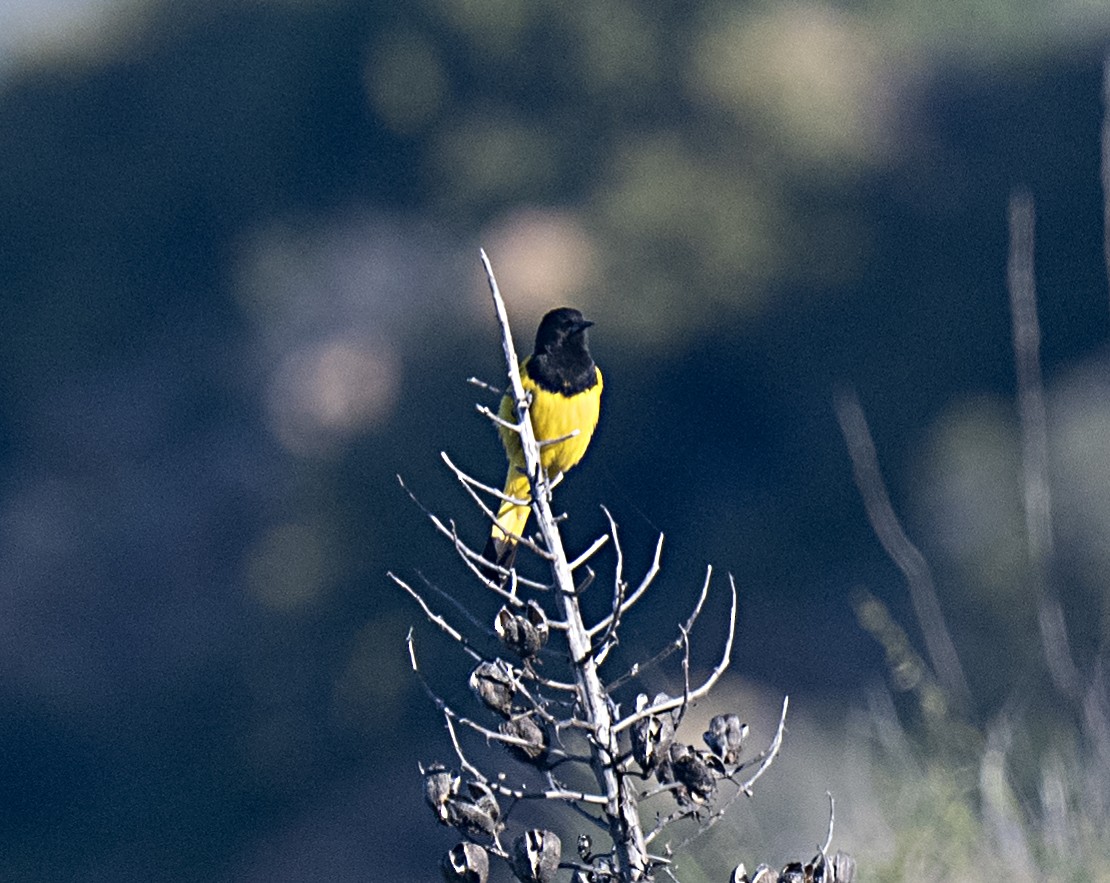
{"points": [[565, 388]]}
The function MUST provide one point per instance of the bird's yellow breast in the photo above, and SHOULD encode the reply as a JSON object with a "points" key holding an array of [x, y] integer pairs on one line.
{"points": [[554, 415]]}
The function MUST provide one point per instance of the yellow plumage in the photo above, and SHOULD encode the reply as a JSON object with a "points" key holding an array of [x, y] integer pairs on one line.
{"points": [[553, 415]]}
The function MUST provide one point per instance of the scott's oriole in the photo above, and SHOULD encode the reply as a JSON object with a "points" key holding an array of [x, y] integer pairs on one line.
{"points": [[565, 387]]}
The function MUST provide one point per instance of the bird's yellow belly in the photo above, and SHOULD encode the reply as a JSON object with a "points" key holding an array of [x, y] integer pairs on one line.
{"points": [[556, 416]]}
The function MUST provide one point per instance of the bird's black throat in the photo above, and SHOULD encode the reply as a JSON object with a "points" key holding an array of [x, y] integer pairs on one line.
{"points": [[561, 360], [565, 371]]}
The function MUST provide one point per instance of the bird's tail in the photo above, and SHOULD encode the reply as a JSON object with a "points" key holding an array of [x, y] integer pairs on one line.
{"points": [[511, 521]]}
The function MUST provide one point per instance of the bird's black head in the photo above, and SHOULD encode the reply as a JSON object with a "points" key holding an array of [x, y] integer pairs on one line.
{"points": [[564, 328], [561, 361]]}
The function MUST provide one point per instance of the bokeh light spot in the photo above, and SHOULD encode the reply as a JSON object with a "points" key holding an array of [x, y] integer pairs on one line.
{"points": [[816, 76], [325, 393], [288, 567], [542, 258], [406, 82]]}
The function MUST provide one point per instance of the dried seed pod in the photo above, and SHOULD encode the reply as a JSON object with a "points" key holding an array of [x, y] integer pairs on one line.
{"points": [[492, 682], [475, 811], [691, 770], [725, 738], [843, 868], [763, 874], [664, 772], [818, 869], [525, 727], [525, 633], [535, 856], [600, 871], [466, 863], [793, 873], [482, 796], [440, 784], [472, 820], [652, 736]]}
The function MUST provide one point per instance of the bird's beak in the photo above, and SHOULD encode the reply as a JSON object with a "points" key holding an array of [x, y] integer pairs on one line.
{"points": [[582, 325]]}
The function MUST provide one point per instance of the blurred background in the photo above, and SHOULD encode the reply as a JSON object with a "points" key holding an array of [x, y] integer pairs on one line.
{"points": [[241, 288]]}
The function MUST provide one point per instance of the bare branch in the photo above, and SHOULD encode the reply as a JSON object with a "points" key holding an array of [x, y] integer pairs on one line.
{"points": [[435, 619], [512, 363], [640, 668], [473, 484], [707, 685], [832, 823], [463, 550], [463, 610], [682, 709], [619, 585], [1034, 447], [470, 483], [649, 577], [771, 753], [468, 556], [466, 766], [645, 583], [589, 553], [555, 794], [619, 589], [481, 384], [498, 419], [904, 554], [546, 442], [630, 853], [675, 815]]}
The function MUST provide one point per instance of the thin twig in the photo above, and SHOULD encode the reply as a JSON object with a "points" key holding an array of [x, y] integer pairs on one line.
{"points": [[468, 556], [470, 483], [497, 419], [1034, 446], [771, 753], [640, 667], [589, 553], [473, 484], [832, 822], [707, 684], [631, 599], [436, 619], [682, 709], [619, 589], [466, 766], [462, 609], [556, 785], [481, 384], [899, 547], [675, 815], [547, 442]]}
